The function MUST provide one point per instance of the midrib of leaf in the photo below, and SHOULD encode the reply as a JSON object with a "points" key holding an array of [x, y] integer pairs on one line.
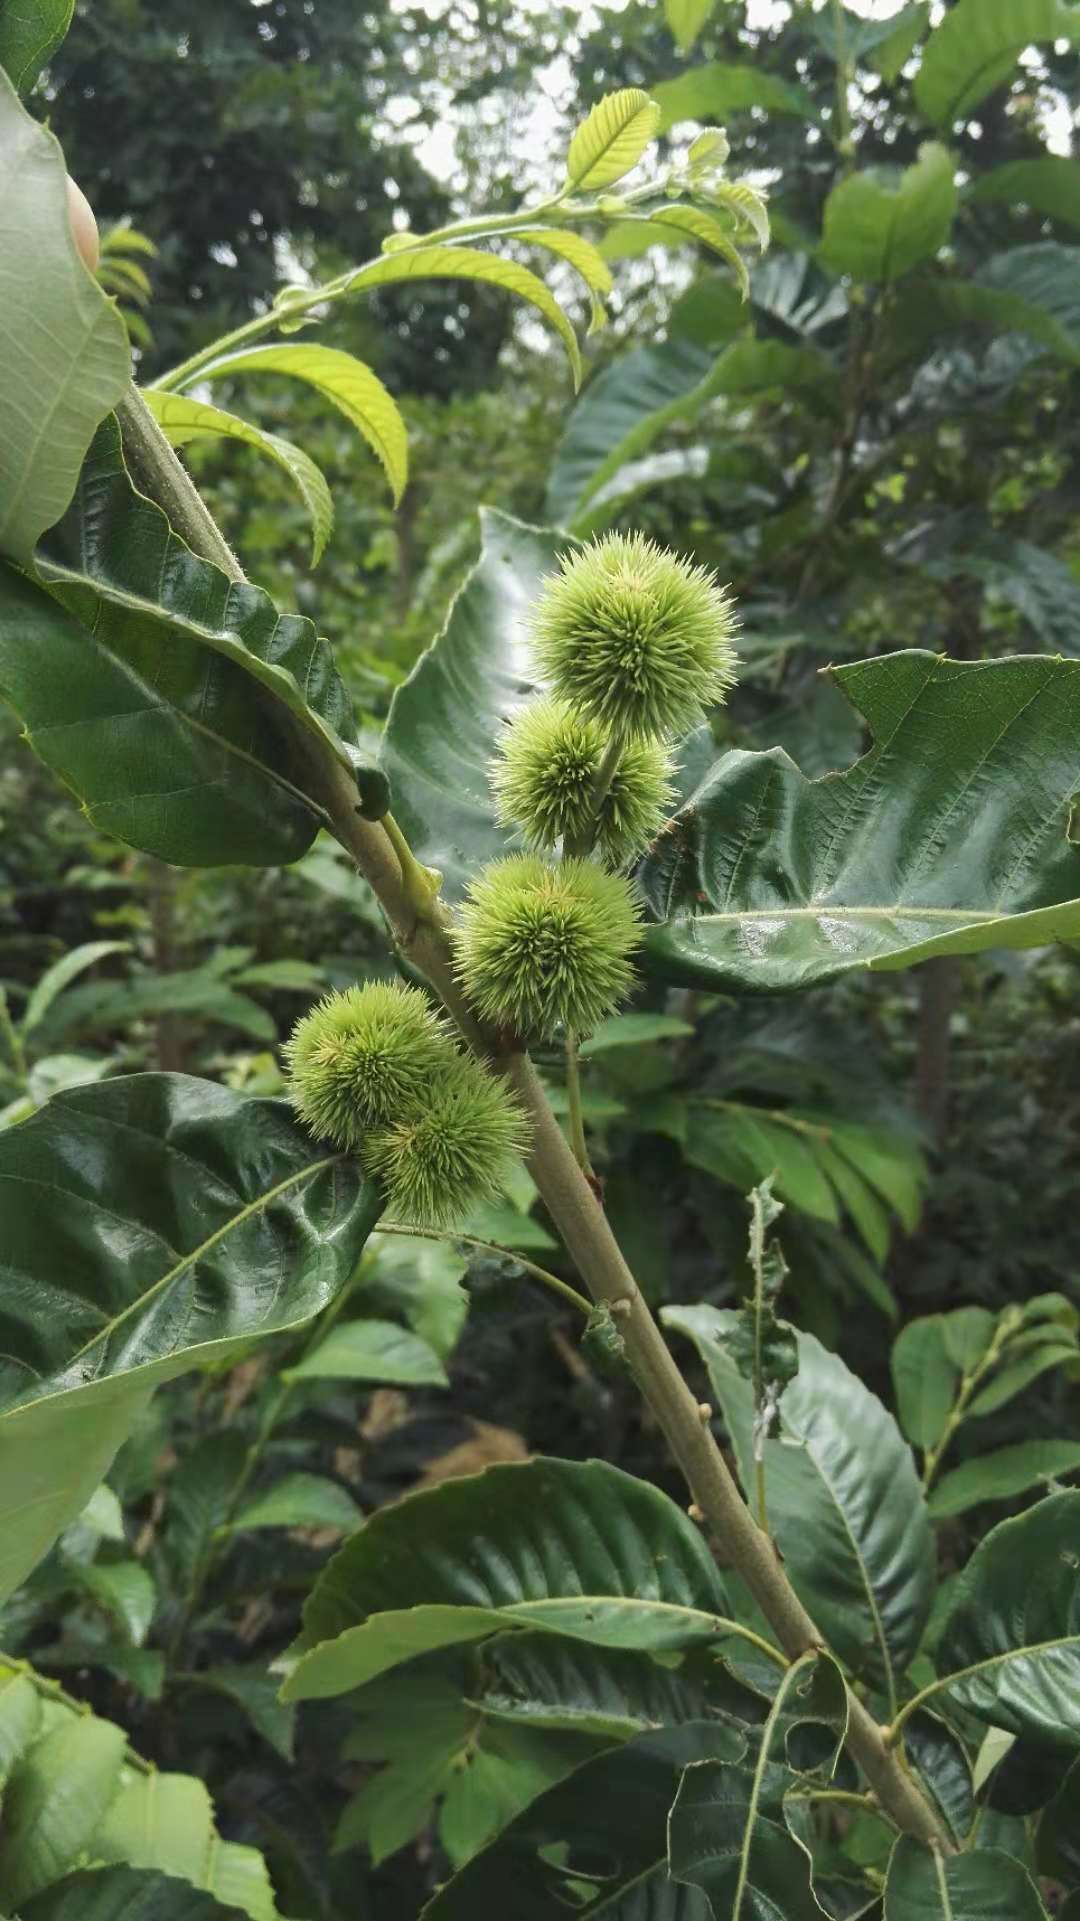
{"points": [[864, 1573], [824, 911], [551, 1604], [991, 1661], [1011, 52], [805, 1660], [197, 1254], [943, 1884]]}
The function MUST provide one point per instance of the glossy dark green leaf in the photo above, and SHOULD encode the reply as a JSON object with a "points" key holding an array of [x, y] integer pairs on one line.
{"points": [[444, 722], [985, 1885], [597, 1843], [1012, 1639], [299, 1500], [1003, 1474], [578, 1549], [1058, 1844], [844, 1502], [545, 1683], [728, 1833], [151, 1223], [936, 1753], [878, 227], [618, 417], [125, 1894], [976, 47], [66, 355], [925, 846], [256, 1694]]}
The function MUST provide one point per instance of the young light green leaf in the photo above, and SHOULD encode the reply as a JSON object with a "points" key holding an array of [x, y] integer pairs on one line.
{"points": [[571, 246], [62, 973], [183, 420], [634, 1030], [371, 1351], [166, 1821], [686, 19], [30, 33], [709, 232], [1010, 1649], [299, 1500], [976, 47], [468, 263], [66, 355], [45, 1831], [213, 1199], [351, 386], [877, 229], [968, 873], [984, 1885], [611, 139]]}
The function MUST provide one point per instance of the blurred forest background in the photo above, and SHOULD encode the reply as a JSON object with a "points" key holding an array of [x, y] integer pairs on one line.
{"points": [[880, 449]]}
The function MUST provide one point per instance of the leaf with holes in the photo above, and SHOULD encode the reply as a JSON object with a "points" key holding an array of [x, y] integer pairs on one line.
{"points": [[611, 140], [183, 420], [843, 1499], [953, 834], [345, 381], [151, 1224], [580, 1550], [985, 1885]]}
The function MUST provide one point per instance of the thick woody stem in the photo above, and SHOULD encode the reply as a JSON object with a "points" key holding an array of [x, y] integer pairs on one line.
{"points": [[580, 1219]]}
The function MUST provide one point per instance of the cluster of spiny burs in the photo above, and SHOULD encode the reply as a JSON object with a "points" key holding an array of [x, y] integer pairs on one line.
{"points": [[633, 645]]}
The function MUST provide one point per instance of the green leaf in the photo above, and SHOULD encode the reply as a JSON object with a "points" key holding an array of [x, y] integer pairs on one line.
{"points": [[844, 1503], [445, 720], [125, 1894], [371, 1351], [421, 1280], [634, 1030], [968, 1332], [686, 19], [1059, 1832], [889, 54], [183, 420], [985, 1885], [57, 977], [54, 1801], [256, 1694], [30, 32], [1049, 185], [299, 1500], [925, 1380], [976, 48], [716, 91], [578, 1550], [1053, 1351], [126, 1590], [588, 261], [545, 1683], [611, 140], [597, 1843], [877, 227], [426, 262], [939, 1758], [709, 232], [1002, 1475], [166, 1821], [183, 1221], [620, 413], [66, 355], [743, 1145], [1010, 1648], [966, 756], [345, 381]]}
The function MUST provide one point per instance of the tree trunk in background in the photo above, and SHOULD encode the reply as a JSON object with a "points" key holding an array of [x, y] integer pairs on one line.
{"points": [[939, 981], [169, 1037]]}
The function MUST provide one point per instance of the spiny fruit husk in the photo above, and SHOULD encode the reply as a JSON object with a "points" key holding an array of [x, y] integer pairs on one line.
{"points": [[363, 1056], [544, 780], [452, 1150]]}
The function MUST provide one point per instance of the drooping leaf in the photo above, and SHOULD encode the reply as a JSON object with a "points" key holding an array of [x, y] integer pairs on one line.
{"points": [[299, 1500], [716, 91], [844, 1504], [445, 720], [342, 379], [924, 846], [686, 19], [877, 228], [181, 1221], [62, 973], [1049, 185], [889, 55], [30, 33], [183, 420], [1011, 1643], [1002, 1475], [611, 140], [421, 1280], [371, 1351], [126, 1590], [937, 1755], [66, 357], [1054, 1348], [579, 1550], [125, 1894], [586, 259], [597, 1843], [46, 1831], [256, 1694], [166, 1821], [985, 1885], [698, 224], [728, 1834], [925, 1380], [546, 1683], [976, 47], [425, 262]]}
